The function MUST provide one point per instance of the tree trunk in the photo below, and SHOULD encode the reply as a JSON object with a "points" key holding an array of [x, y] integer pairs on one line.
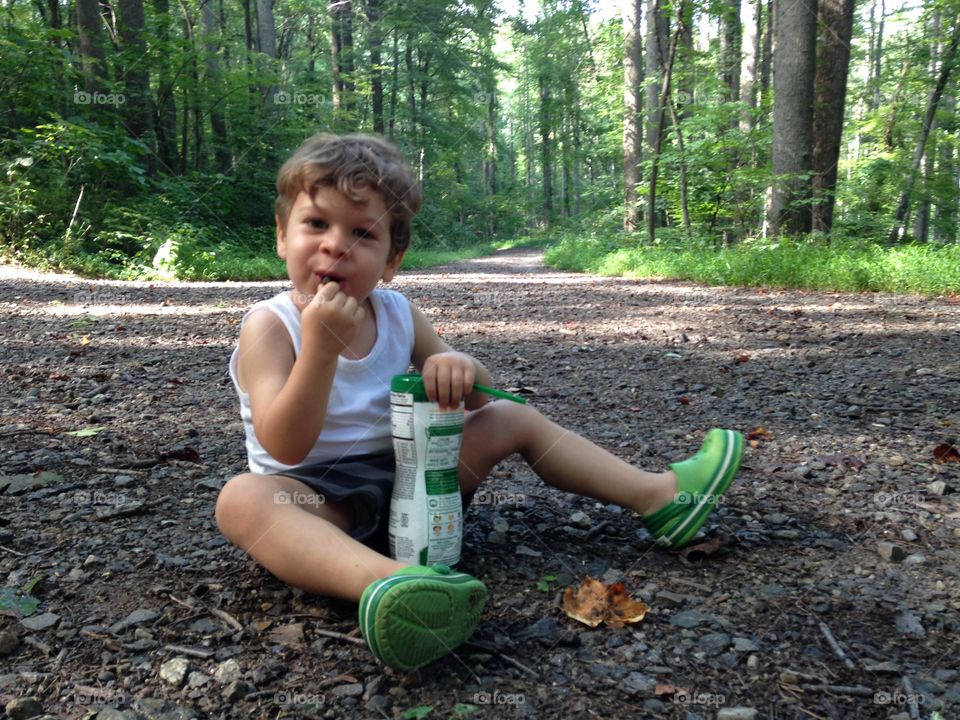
{"points": [[137, 113], [666, 72], [946, 66], [93, 62], [214, 86], [945, 227], [266, 29], [165, 108], [766, 58], [341, 56], [632, 123], [794, 58], [375, 40], [730, 46], [750, 65], [394, 82], [546, 154], [921, 223], [657, 28], [876, 58], [833, 61]]}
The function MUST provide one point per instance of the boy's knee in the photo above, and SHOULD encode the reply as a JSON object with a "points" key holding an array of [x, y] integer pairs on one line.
{"points": [[233, 501]]}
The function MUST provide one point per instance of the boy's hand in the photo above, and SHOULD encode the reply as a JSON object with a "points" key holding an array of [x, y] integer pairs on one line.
{"points": [[330, 320], [448, 377]]}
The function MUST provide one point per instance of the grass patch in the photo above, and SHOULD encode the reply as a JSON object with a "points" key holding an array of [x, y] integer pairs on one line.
{"points": [[843, 265]]}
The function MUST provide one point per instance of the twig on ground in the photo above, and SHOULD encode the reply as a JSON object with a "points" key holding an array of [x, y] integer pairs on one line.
{"points": [[912, 706], [483, 647], [192, 652], [12, 551], [338, 636], [858, 690], [227, 618], [835, 646]]}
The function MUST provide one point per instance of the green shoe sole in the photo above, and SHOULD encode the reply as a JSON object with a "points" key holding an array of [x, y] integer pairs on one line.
{"points": [[701, 482], [420, 614]]}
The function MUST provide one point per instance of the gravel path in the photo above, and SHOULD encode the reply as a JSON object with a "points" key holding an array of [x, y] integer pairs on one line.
{"points": [[827, 587]]}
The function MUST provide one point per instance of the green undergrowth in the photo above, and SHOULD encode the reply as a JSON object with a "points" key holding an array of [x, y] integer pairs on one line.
{"points": [[840, 265]]}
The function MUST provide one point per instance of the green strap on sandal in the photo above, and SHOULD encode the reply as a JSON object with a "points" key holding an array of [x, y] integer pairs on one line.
{"points": [[419, 614], [701, 482]]}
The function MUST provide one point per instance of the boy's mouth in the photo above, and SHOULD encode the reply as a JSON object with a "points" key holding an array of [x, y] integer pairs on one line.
{"points": [[325, 277]]}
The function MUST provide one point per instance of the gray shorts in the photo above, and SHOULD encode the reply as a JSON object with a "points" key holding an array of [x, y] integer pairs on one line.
{"points": [[364, 483]]}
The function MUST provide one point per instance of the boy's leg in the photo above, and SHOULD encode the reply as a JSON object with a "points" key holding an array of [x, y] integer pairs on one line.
{"points": [[409, 615], [562, 458], [284, 526]]}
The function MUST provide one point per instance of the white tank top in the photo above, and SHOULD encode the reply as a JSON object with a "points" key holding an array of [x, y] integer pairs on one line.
{"points": [[358, 411]]}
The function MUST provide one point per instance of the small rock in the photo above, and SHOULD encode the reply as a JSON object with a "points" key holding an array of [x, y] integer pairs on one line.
{"points": [[909, 624], [495, 537], [139, 616], [714, 643], [887, 666], [236, 691], [896, 461], [745, 645], [348, 690], [915, 559], [227, 672], [938, 487], [40, 622], [173, 671], [753, 662], [891, 552], [23, 708], [529, 552], [687, 619], [736, 713], [668, 599], [639, 684], [8, 643], [908, 535], [197, 680], [581, 520]]}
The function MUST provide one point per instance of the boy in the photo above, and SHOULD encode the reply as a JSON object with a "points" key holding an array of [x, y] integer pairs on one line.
{"points": [[312, 370]]}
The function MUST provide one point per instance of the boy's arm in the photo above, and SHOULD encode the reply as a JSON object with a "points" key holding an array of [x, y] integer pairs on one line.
{"points": [[289, 395], [448, 375]]}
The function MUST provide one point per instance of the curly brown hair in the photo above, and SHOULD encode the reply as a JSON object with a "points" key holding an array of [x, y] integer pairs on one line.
{"points": [[351, 163]]}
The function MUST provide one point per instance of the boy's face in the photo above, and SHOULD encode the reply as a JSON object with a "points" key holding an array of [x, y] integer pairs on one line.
{"points": [[332, 236]]}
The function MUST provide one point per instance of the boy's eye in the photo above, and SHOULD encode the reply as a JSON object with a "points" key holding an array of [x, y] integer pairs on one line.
{"points": [[317, 224], [365, 234]]}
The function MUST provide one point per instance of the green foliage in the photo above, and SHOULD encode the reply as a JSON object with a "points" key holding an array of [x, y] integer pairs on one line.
{"points": [[842, 265]]}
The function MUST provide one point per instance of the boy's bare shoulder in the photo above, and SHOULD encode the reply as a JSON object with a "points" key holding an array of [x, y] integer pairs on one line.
{"points": [[263, 338]]}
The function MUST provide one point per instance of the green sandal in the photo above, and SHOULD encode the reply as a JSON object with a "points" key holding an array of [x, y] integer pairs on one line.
{"points": [[701, 482], [420, 614]]}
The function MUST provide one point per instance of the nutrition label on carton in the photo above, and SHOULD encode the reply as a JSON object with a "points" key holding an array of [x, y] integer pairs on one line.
{"points": [[426, 513]]}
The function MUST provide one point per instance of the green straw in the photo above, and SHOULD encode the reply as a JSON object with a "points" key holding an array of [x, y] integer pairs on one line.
{"points": [[500, 394]]}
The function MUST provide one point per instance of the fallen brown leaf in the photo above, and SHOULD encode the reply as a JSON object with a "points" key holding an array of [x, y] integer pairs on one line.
{"points": [[945, 453], [707, 548], [594, 603]]}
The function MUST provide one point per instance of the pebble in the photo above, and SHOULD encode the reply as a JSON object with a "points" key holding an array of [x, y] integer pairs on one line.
{"points": [[687, 619], [915, 559], [173, 671], [8, 643], [348, 690], [908, 535], [736, 713], [236, 691], [668, 599], [908, 623], [528, 551], [714, 643], [227, 672], [938, 487], [23, 708], [137, 617], [639, 684], [581, 520], [197, 680], [891, 551], [40, 622], [741, 644]]}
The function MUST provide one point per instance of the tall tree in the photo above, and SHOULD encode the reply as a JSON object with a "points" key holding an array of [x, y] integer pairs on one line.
{"points": [[752, 48], [341, 56], [214, 85], [946, 67], [165, 107], [658, 25], [266, 28], [731, 36], [794, 58], [138, 116], [632, 122], [375, 40], [90, 32], [833, 61]]}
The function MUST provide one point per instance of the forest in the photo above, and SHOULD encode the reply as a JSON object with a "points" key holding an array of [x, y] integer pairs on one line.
{"points": [[141, 139]]}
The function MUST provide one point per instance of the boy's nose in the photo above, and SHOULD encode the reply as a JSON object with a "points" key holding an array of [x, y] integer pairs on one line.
{"points": [[338, 242]]}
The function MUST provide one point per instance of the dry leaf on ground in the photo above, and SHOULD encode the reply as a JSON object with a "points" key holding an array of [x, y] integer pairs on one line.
{"points": [[594, 603]]}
